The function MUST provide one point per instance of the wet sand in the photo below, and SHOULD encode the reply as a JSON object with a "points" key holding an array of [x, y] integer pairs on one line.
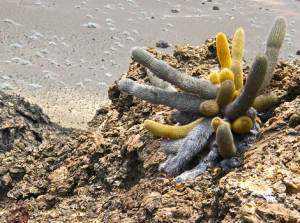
{"points": [[50, 56]]}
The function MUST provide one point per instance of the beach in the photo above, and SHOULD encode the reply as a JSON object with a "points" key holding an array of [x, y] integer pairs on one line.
{"points": [[63, 55]]}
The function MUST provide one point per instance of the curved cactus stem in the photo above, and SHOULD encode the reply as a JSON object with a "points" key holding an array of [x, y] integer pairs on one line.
{"points": [[203, 164], [274, 43], [245, 99], [195, 141], [264, 102], [164, 71], [170, 131], [181, 101]]}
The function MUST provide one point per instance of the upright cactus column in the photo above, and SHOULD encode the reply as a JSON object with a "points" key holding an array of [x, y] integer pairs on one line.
{"points": [[274, 43]]}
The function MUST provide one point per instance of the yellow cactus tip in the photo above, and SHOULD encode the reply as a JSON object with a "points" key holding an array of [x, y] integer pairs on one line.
{"points": [[223, 51], [235, 94], [214, 78], [218, 121], [242, 125], [238, 45], [226, 74]]}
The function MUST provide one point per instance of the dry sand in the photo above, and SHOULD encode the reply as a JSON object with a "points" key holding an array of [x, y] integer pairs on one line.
{"points": [[71, 66]]}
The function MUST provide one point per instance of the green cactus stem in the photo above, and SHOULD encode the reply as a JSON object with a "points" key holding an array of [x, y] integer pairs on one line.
{"points": [[180, 101], [263, 102], [247, 96], [225, 141], [209, 108], [237, 70], [164, 71], [226, 92]]}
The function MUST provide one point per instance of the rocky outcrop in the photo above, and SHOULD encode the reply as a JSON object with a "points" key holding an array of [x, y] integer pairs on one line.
{"points": [[110, 172]]}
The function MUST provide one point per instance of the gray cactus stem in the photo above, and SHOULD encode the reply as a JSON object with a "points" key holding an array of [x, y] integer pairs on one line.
{"points": [[180, 101], [193, 143], [164, 71], [171, 146], [274, 43], [203, 164], [157, 82]]}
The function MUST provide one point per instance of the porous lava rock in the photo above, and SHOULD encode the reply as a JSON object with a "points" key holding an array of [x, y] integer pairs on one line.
{"points": [[109, 173]]}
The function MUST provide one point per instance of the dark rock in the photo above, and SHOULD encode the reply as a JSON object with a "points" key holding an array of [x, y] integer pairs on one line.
{"points": [[162, 44], [175, 10]]}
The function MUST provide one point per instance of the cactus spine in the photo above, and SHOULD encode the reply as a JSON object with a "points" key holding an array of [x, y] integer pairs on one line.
{"points": [[168, 131], [223, 51]]}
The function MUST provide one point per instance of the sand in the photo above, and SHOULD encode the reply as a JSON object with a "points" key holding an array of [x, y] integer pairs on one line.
{"points": [[50, 56]]}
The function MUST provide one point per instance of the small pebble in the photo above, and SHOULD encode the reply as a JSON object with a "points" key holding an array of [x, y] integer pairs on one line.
{"points": [[216, 8], [298, 52], [175, 10], [162, 44]]}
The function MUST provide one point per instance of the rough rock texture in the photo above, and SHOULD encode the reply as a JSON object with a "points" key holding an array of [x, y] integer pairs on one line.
{"points": [[109, 172]]}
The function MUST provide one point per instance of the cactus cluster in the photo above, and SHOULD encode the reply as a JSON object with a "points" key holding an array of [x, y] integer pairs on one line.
{"points": [[226, 106]]}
